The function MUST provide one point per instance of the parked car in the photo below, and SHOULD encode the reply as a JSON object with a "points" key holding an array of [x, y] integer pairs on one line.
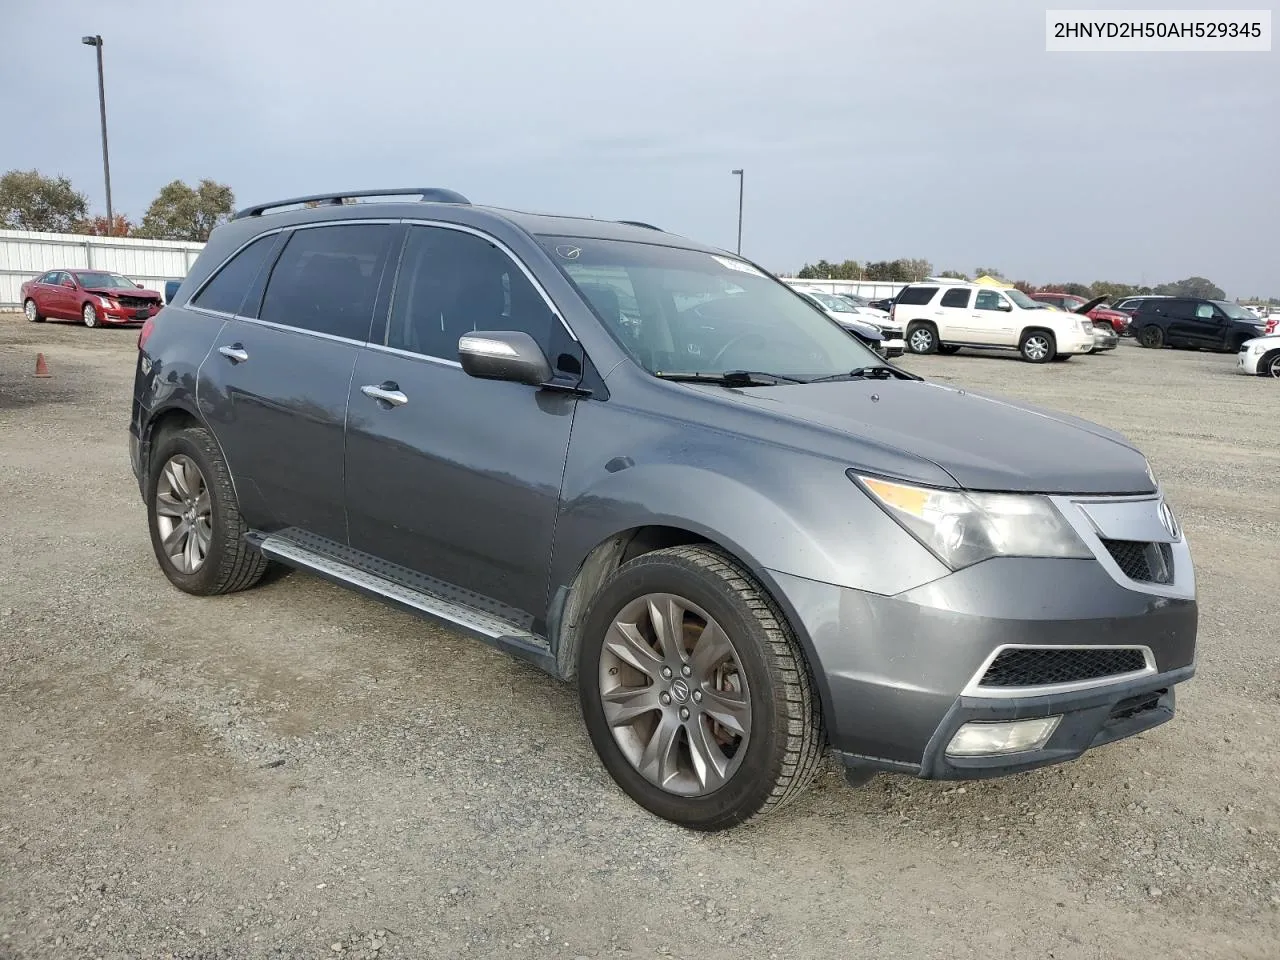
{"points": [[883, 337], [1096, 309], [885, 304], [942, 318], [745, 537], [90, 296], [864, 305], [1195, 323], [1104, 338], [1260, 356], [1129, 305]]}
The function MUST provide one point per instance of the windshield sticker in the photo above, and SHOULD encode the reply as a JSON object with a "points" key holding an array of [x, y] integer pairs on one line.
{"points": [[737, 265]]}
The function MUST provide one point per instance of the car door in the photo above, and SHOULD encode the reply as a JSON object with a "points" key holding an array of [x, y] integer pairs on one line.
{"points": [[1183, 325], [454, 477], [1209, 326], [952, 315], [274, 388], [992, 319], [58, 297]]}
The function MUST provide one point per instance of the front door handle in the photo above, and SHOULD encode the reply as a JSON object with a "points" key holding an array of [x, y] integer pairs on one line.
{"points": [[235, 353], [385, 392]]}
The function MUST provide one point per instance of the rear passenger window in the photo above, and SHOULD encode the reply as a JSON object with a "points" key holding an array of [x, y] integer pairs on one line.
{"points": [[956, 297], [452, 283], [225, 292], [916, 296], [327, 278]]}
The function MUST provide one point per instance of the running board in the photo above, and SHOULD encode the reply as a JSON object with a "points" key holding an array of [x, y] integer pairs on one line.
{"points": [[392, 584]]}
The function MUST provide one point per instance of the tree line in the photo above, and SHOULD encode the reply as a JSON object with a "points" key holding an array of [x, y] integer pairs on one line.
{"points": [[907, 271], [31, 201]]}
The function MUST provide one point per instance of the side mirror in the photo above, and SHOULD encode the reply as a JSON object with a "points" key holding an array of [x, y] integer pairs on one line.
{"points": [[139, 286], [1006, 306], [504, 355]]}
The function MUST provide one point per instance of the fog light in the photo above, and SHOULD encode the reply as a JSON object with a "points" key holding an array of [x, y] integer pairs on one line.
{"points": [[981, 738]]}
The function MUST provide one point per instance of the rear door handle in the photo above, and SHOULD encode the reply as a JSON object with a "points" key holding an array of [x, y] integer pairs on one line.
{"points": [[235, 353], [386, 392]]}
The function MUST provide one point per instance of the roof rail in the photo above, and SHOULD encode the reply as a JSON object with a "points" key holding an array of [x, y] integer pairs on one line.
{"points": [[424, 194], [639, 223]]}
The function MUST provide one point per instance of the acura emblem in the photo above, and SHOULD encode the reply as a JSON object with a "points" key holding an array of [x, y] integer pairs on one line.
{"points": [[1166, 518]]}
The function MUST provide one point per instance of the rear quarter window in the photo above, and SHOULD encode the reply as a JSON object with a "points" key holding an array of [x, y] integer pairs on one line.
{"points": [[956, 297], [225, 293], [916, 296]]}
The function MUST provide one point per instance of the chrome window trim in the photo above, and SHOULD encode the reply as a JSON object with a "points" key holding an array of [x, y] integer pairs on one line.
{"points": [[410, 355], [191, 304], [271, 324], [974, 687]]}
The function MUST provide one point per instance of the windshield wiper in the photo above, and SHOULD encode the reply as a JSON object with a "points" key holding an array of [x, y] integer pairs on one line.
{"points": [[878, 372], [732, 378]]}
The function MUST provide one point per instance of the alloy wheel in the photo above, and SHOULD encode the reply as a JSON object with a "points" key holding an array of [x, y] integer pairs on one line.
{"points": [[184, 515], [1274, 368], [1036, 348], [921, 340], [30, 310], [90, 315], [674, 694]]}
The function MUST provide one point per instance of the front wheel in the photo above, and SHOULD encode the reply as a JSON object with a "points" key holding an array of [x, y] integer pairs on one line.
{"points": [[1038, 346], [1152, 337], [89, 315], [32, 311], [1269, 366], [695, 692]]}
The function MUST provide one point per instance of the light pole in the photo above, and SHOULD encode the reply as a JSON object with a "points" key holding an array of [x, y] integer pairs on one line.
{"points": [[738, 174], [96, 41]]}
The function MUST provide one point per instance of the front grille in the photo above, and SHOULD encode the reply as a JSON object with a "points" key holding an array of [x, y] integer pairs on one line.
{"points": [[1144, 562], [1043, 666], [135, 302]]}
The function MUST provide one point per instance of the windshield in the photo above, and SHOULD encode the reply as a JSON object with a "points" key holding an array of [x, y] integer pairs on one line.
{"points": [[1236, 312], [679, 311], [834, 304], [1022, 300], [111, 281], [856, 300]]}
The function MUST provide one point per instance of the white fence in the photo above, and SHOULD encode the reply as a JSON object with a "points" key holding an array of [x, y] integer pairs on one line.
{"points": [[871, 289], [25, 255]]}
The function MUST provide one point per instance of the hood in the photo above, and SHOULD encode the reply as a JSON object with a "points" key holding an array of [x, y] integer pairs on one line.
{"points": [[984, 442], [1089, 305], [123, 292], [877, 316], [852, 322]]}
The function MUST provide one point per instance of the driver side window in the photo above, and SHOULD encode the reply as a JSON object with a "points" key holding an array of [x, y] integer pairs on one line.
{"points": [[1204, 311], [988, 300]]}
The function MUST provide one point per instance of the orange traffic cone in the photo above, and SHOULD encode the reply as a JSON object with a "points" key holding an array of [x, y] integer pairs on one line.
{"points": [[42, 368]]}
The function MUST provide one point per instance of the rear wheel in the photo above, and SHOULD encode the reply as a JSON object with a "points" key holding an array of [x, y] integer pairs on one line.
{"points": [[1269, 365], [1038, 346], [89, 315], [922, 338], [1151, 336], [197, 532], [32, 311], [695, 692]]}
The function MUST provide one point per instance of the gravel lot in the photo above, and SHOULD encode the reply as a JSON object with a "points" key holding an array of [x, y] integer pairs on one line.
{"points": [[296, 771]]}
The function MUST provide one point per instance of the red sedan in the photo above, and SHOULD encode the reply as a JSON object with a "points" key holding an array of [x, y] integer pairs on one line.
{"points": [[91, 296]]}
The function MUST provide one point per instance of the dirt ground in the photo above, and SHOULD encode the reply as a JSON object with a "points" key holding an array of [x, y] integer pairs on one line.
{"points": [[296, 771]]}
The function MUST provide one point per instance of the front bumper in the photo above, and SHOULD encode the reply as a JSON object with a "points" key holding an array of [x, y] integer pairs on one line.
{"points": [[893, 347], [1105, 340], [898, 673], [120, 315]]}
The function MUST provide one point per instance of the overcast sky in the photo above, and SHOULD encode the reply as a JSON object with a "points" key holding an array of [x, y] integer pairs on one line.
{"points": [[932, 129]]}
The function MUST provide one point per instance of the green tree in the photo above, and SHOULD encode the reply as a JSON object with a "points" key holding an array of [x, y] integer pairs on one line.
{"points": [[988, 272], [30, 201], [952, 274], [181, 212], [1192, 287]]}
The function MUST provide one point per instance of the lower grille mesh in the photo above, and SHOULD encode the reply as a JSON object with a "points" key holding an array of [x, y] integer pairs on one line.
{"points": [[1046, 665]]}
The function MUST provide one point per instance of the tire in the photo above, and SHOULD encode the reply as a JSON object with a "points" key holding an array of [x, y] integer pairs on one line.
{"points": [[947, 349], [922, 338], [89, 315], [1037, 346], [1269, 365], [32, 311], [228, 563], [1151, 336], [779, 714]]}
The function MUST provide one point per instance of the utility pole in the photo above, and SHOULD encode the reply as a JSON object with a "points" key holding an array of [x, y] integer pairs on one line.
{"points": [[738, 174], [96, 42]]}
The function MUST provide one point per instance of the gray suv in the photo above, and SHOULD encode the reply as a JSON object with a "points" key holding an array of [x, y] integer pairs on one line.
{"points": [[646, 465]]}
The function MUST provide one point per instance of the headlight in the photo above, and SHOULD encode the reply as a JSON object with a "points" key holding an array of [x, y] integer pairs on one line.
{"points": [[106, 302], [966, 528]]}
